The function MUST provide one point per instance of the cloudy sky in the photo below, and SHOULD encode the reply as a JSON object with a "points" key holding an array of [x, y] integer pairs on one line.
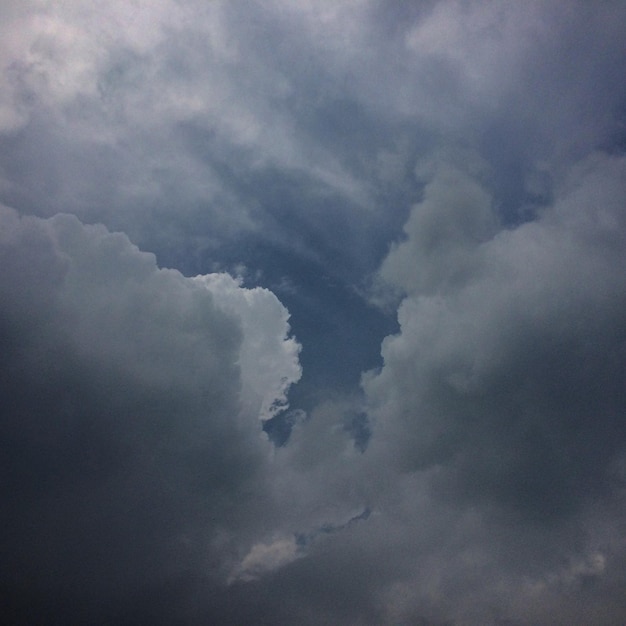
{"points": [[313, 312]]}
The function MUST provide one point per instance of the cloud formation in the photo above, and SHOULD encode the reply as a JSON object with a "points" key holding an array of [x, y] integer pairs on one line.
{"points": [[502, 388], [520, 330], [434, 191], [131, 414]]}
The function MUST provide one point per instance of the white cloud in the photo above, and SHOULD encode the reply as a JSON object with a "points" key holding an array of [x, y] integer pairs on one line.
{"points": [[268, 358], [264, 558]]}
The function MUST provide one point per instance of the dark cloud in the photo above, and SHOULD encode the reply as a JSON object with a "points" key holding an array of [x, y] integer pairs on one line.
{"points": [[457, 165], [130, 414], [502, 388], [510, 358]]}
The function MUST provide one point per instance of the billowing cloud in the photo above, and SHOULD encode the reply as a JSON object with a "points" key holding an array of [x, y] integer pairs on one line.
{"points": [[510, 339], [501, 395], [435, 192], [130, 414], [268, 360]]}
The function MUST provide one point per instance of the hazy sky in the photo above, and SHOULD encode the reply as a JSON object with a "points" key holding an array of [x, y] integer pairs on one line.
{"points": [[312, 312]]}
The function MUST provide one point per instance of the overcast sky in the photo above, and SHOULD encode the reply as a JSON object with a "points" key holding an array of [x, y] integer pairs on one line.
{"points": [[313, 312]]}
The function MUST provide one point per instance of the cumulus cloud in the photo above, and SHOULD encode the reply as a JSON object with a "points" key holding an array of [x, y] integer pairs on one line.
{"points": [[500, 394], [268, 360], [130, 414], [516, 338], [464, 157], [455, 216]]}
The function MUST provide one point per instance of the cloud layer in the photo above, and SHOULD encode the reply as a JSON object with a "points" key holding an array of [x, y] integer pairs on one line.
{"points": [[432, 195]]}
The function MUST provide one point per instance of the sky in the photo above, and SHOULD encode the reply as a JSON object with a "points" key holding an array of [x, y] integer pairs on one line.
{"points": [[313, 312]]}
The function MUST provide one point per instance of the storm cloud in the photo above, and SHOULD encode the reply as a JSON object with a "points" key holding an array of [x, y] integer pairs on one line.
{"points": [[313, 312], [131, 412]]}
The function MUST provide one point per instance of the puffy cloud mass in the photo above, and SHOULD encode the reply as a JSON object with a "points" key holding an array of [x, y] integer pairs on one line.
{"points": [[431, 194], [501, 396], [130, 414], [510, 355]]}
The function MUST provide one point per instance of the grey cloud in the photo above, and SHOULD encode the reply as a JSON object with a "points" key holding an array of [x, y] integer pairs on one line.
{"points": [[444, 232], [131, 414], [182, 112], [512, 373], [501, 397], [296, 140]]}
